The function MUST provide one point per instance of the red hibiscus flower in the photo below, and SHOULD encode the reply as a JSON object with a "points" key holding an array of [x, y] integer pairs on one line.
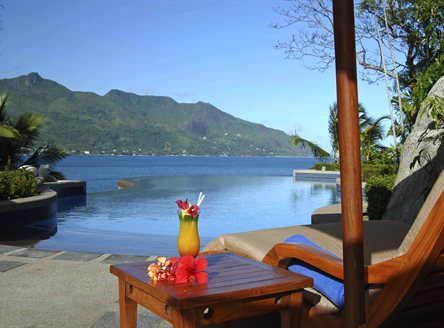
{"points": [[183, 204], [189, 270], [194, 211]]}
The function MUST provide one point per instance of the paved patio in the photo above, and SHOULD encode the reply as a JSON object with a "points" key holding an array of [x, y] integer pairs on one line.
{"points": [[40, 288], [56, 289]]}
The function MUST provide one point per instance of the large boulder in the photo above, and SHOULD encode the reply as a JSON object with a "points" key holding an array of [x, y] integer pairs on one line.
{"points": [[422, 160]]}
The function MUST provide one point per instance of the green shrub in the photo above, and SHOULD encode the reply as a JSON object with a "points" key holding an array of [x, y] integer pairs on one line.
{"points": [[371, 170], [328, 166], [378, 191], [17, 184]]}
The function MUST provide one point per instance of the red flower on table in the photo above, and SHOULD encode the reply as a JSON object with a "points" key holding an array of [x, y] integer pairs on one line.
{"points": [[184, 270], [189, 270]]}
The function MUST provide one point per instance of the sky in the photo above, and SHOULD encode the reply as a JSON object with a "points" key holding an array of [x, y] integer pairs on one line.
{"points": [[220, 52]]}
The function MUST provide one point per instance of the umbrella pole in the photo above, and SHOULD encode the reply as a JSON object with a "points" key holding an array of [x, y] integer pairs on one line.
{"points": [[350, 161]]}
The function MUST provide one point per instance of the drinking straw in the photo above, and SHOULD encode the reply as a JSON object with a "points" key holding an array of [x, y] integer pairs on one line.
{"points": [[200, 200]]}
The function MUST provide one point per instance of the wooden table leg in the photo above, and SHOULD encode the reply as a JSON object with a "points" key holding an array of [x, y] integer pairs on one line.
{"points": [[184, 318], [128, 308], [291, 315]]}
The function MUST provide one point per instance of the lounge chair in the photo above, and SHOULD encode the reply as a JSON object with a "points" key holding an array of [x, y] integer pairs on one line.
{"points": [[404, 268]]}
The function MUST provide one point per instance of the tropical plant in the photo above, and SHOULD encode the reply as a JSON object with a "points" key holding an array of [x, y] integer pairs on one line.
{"points": [[17, 184], [317, 151], [378, 191], [18, 149], [411, 31], [434, 105], [6, 131], [333, 130], [371, 132]]}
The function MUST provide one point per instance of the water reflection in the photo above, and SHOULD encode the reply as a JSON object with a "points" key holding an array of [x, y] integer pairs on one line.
{"points": [[27, 226], [142, 219], [232, 204]]}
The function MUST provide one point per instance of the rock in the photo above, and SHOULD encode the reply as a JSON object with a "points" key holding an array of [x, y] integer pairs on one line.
{"points": [[198, 127], [422, 160], [43, 171], [29, 168]]}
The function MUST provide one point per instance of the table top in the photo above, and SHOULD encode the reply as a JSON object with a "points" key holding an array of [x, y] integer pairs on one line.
{"points": [[230, 278]]}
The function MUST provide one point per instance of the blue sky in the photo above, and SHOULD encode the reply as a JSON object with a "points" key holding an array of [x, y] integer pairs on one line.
{"points": [[219, 52]]}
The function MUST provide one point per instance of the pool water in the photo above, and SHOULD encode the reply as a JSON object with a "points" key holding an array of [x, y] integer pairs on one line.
{"points": [[143, 219]]}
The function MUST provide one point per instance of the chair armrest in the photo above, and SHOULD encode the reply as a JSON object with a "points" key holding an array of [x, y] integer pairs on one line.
{"points": [[282, 254], [381, 273]]}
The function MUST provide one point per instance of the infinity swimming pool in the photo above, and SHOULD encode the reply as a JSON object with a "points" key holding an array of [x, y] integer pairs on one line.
{"points": [[143, 220]]}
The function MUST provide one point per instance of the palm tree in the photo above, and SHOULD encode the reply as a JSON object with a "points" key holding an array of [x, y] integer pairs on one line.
{"points": [[317, 151], [333, 130], [371, 134], [371, 131], [5, 130], [17, 144]]}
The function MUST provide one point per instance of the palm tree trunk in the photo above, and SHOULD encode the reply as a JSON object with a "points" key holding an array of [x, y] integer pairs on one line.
{"points": [[395, 70], [387, 87]]}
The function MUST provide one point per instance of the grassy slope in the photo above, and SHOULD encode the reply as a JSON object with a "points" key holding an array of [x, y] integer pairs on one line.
{"points": [[125, 121]]}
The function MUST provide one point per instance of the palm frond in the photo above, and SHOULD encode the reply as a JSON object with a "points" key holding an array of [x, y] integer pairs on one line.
{"points": [[317, 151], [9, 132], [3, 114], [48, 154], [333, 129], [28, 125], [6, 131]]}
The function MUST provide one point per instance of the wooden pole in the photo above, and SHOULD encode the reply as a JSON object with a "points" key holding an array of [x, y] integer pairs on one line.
{"points": [[350, 160]]}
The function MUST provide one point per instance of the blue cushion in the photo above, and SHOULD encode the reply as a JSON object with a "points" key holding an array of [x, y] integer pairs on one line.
{"points": [[328, 286]]}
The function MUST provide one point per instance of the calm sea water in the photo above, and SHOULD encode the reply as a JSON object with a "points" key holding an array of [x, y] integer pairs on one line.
{"points": [[242, 194], [102, 172]]}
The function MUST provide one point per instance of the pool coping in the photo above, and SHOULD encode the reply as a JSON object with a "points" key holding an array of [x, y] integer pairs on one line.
{"points": [[12, 257], [45, 198]]}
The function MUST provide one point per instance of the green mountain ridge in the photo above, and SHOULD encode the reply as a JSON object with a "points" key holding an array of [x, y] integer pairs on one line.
{"points": [[125, 123]]}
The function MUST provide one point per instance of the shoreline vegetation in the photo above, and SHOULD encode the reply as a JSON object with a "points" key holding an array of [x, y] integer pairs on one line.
{"points": [[127, 123], [191, 155]]}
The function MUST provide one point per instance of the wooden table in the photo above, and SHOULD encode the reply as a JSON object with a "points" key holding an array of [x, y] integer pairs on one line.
{"points": [[237, 288]]}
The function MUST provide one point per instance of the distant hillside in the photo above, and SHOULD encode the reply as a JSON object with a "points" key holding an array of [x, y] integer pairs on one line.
{"points": [[121, 122]]}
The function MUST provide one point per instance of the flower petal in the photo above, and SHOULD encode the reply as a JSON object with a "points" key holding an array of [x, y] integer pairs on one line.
{"points": [[182, 276], [183, 204], [201, 277], [194, 211], [200, 264], [187, 262]]}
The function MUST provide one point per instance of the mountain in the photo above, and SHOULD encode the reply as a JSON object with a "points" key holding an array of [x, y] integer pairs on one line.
{"points": [[121, 122]]}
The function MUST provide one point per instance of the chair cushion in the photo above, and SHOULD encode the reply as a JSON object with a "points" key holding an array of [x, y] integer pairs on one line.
{"points": [[381, 240]]}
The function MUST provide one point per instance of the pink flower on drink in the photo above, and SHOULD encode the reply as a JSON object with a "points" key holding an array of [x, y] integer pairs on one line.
{"points": [[183, 204], [187, 208], [194, 211]]}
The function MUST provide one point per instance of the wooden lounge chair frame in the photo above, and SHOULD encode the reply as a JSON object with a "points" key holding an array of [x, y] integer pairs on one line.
{"points": [[413, 284]]}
